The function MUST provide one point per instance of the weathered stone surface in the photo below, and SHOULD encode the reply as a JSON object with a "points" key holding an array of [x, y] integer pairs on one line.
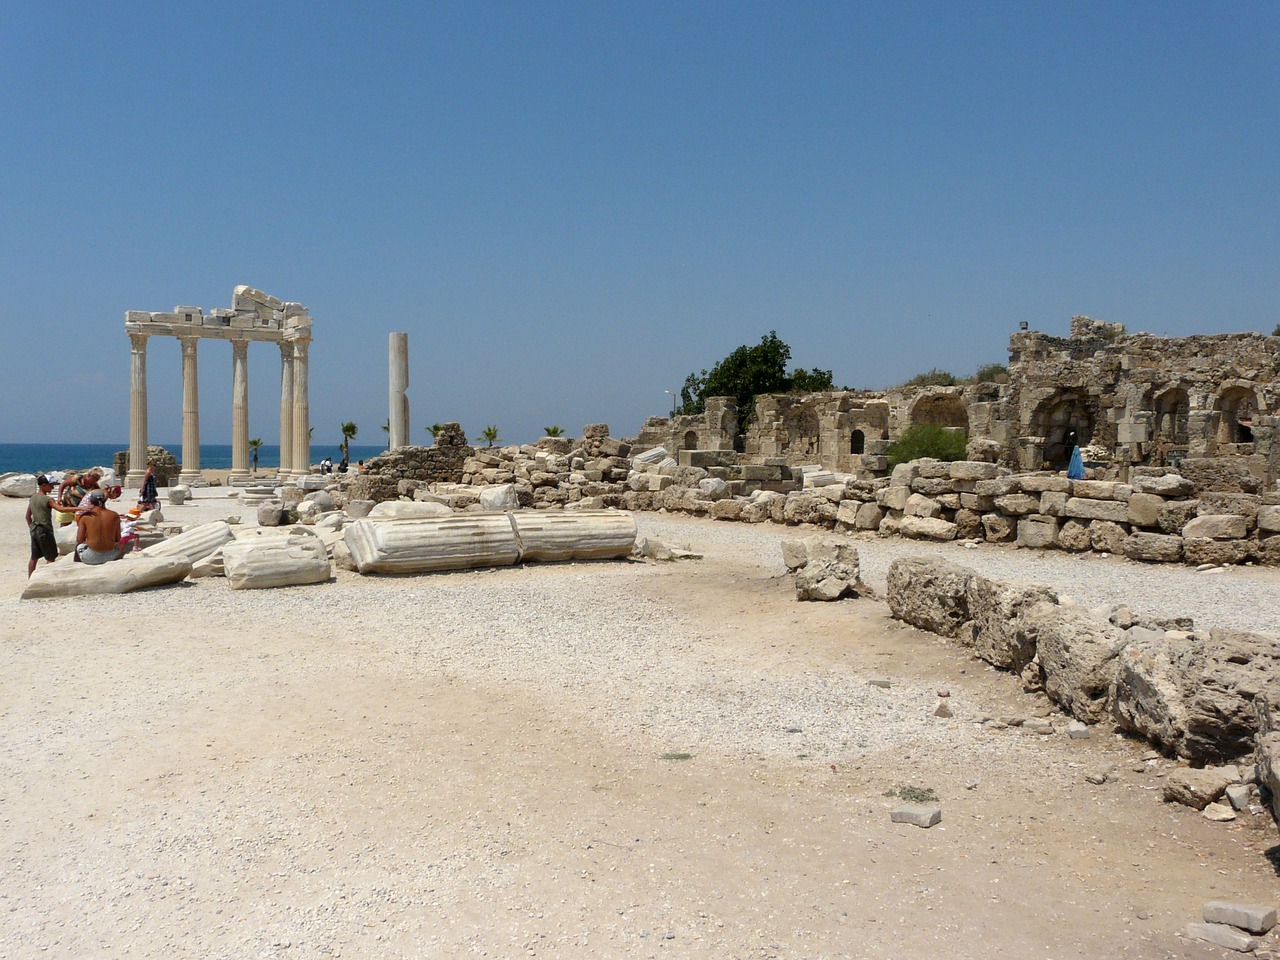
{"points": [[869, 516], [1169, 485], [1197, 788], [1044, 483], [927, 528], [893, 498], [1195, 695], [1255, 918], [1144, 509], [195, 544], [1156, 547], [916, 814], [280, 561], [1174, 515], [21, 485], [1053, 503], [918, 505], [1216, 527], [408, 510], [968, 525], [1224, 474], [455, 542], [1106, 537], [500, 498], [1097, 489], [1112, 510], [1269, 519], [971, 470], [210, 566], [1037, 532], [998, 528], [1074, 535], [67, 579], [323, 500], [929, 594], [270, 513], [1222, 936], [996, 631], [1198, 550], [1078, 657], [585, 535], [1017, 504], [179, 494]]}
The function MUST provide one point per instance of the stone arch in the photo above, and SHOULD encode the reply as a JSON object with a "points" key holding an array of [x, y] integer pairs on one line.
{"points": [[857, 442], [1172, 411], [690, 440], [1065, 420], [1236, 408], [941, 409]]}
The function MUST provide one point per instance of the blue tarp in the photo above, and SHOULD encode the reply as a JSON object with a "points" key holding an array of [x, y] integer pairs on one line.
{"points": [[1075, 469]]}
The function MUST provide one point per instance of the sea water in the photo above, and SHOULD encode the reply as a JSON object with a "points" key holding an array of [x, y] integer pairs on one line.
{"points": [[46, 457]]}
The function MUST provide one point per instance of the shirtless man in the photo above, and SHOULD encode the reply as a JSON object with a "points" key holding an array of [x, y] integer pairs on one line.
{"points": [[98, 534]]}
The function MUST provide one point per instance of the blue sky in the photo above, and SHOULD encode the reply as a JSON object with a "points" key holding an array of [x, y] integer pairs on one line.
{"points": [[570, 206]]}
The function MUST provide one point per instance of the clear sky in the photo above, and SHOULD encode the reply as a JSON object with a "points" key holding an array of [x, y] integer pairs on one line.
{"points": [[570, 206]]}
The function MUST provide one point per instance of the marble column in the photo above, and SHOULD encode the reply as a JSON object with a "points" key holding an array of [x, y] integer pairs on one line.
{"points": [[301, 411], [398, 419], [190, 412], [239, 411], [137, 409], [286, 410]]}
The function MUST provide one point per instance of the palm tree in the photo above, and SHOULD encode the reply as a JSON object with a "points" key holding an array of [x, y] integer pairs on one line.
{"points": [[254, 445], [349, 431], [386, 427], [554, 431], [436, 429], [490, 434]]}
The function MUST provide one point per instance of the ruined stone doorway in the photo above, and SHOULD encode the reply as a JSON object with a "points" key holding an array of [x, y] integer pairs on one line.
{"points": [[942, 410], [857, 442], [1065, 420], [1236, 409], [691, 440]]}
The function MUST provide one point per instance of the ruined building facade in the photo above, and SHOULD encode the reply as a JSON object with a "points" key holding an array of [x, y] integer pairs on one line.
{"points": [[1125, 399]]}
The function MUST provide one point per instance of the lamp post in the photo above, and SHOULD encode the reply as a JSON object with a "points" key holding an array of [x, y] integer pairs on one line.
{"points": [[673, 402]]}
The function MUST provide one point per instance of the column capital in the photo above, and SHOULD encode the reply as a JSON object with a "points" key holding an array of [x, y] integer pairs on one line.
{"points": [[138, 341], [188, 345], [240, 349], [286, 349]]}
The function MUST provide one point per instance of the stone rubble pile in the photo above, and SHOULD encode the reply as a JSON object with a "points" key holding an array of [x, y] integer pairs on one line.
{"points": [[1207, 697], [826, 568]]}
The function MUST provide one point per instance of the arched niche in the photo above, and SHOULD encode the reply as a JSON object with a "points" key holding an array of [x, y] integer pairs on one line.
{"points": [[1065, 420], [942, 410], [1237, 406]]}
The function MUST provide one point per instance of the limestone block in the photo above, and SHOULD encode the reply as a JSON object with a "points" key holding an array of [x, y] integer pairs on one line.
{"points": [[65, 537], [210, 566], [307, 511], [890, 524], [1079, 658], [179, 494], [918, 815], [1154, 547], [927, 528], [1199, 550], [977, 502], [1243, 504], [713, 488], [1074, 535], [68, 579], [972, 470], [195, 544], [1197, 788], [1216, 527], [903, 474], [1084, 509], [1053, 503], [271, 513], [408, 510], [357, 509], [869, 516], [21, 485], [929, 594], [996, 610], [727, 509], [847, 515], [1016, 504], [998, 528], [999, 487], [893, 497], [455, 542], [1269, 519], [501, 497], [1106, 537], [654, 456], [1044, 483], [658, 482], [1095, 489], [1255, 918], [583, 535], [968, 525], [275, 561], [1169, 485], [918, 505], [1195, 695], [1175, 514], [1144, 509], [1221, 935], [931, 469], [932, 486], [1037, 532]]}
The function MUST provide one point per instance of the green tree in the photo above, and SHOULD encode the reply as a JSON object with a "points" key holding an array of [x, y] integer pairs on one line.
{"points": [[255, 445], [490, 434], [435, 430], [556, 431], [386, 427], [349, 431], [748, 372], [927, 440], [1276, 331]]}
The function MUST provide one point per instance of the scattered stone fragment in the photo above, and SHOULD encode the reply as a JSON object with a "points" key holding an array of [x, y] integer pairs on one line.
{"points": [[1038, 725], [1223, 936], [1197, 788], [1238, 796], [943, 711], [1218, 812], [1100, 776], [1255, 918], [1077, 730], [916, 814], [879, 682], [944, 692]]}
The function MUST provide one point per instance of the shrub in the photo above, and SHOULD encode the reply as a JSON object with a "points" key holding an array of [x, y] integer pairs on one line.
{"points": [[992, 373], [927, 440], [932, 378]]}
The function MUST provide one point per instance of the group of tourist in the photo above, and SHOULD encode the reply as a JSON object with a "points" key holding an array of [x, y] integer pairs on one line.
{"points": [[102, 534]]}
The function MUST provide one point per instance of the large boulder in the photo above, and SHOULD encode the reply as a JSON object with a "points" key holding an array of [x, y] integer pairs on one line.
{"points": [[997, 632], [68, 579], [930, 594], [1078, 657], [275, 561], [195, 544], [18, 485], [1195, 695]]}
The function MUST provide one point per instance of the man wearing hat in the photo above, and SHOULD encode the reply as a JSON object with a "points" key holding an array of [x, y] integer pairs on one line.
{"points": [[98, 533], [40, 523]]}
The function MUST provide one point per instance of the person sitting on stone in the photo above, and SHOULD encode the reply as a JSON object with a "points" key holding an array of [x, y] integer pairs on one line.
{"points": [[98, 531]]}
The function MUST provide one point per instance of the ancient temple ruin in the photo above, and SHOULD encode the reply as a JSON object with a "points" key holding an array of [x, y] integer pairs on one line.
{"points": [[253, 316]]}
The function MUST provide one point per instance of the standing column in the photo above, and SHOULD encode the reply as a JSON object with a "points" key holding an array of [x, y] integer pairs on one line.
{"points": [[301, 411], [137, 409], [286, 410], [398, 420], [190, 413], [239, 411]]}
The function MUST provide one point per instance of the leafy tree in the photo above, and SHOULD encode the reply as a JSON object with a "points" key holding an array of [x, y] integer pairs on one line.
{"points": [[349, 431], [556, 431], [748, 372], [992, 373], [255, 445], [927, 440], [932, 378], [490, 434], [1276, 331]]}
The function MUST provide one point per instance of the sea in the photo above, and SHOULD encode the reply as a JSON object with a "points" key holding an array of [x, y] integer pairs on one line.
{"points": [[47, 457]]}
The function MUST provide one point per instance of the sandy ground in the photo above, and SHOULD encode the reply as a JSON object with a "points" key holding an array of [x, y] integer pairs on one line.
{"points": [[305, 780]]}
